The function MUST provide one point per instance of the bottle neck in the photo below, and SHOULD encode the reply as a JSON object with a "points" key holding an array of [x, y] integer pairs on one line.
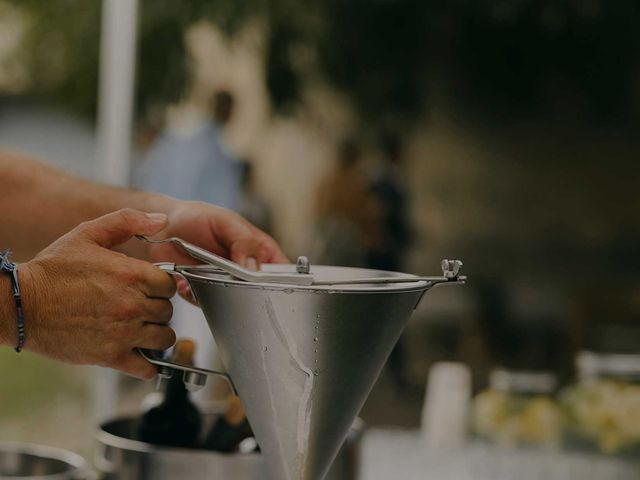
{"points": [[176, 391]]}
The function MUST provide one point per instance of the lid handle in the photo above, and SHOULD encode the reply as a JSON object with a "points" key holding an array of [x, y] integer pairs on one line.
{"points": [[233, 268]]}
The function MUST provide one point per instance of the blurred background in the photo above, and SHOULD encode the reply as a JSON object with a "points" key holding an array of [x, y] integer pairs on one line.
{"points": [[384, 133]]}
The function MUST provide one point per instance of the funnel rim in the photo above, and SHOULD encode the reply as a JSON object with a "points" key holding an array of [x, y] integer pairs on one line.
{"points": [[222, 278]]}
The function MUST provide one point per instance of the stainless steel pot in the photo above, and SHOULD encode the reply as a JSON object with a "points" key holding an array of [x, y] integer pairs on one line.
{"points": [[120, 457], [26, 461]]}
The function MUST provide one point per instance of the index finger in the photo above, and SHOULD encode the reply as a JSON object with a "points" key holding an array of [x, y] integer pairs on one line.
{"points": [[259, 247], [244, 240], [270, 251]]}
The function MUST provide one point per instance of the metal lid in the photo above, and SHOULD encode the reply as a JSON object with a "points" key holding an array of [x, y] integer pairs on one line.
{"points": [[303, 276], [326, 279]]}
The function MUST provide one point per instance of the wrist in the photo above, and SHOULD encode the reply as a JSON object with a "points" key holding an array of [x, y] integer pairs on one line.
{"points": [[28, 289], [8, 333]]}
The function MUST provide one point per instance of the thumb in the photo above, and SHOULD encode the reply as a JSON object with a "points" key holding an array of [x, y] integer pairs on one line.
{"points": [[118, 227]]}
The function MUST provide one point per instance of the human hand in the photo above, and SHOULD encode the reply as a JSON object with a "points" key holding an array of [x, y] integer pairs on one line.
{"points": [[218, 230], [87, 304]]}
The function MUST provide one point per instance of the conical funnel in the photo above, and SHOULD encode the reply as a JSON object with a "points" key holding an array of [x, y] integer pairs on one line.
{"points": [[303, 347], [304, 358]]}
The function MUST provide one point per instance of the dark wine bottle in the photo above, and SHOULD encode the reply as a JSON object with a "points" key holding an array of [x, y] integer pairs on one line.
{"points": [[229, 430], [176, 422]]}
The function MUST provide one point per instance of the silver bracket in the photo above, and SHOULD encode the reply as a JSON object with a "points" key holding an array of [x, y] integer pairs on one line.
{"points": [[194, 378]]}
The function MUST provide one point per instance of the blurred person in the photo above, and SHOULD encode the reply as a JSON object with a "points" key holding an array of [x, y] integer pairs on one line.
{"points": [[191, 161], [344, 211], [88, 292], [252, 206], [390, 193]]}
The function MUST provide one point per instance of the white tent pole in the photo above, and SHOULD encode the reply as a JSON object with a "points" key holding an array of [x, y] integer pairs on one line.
{"points": [[114, 125], [115, 98]]}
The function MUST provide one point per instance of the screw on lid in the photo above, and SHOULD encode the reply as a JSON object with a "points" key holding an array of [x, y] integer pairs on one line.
{"points": [[302, 265]]}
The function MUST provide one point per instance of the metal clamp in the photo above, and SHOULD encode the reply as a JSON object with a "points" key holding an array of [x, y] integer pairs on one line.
{"points": [[194, 378]]}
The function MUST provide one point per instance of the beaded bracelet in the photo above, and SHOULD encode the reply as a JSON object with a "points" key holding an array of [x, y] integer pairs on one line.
{"points": [[11, 268]]}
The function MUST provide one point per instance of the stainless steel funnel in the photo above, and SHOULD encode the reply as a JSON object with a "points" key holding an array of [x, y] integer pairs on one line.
{"points": [[304, 357]]}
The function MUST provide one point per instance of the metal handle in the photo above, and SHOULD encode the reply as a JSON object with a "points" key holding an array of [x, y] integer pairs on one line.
{"points": [[194, 378], [233, 268]]}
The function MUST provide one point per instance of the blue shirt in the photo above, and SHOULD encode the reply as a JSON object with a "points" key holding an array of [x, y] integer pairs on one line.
{"points": [[197, 167]]}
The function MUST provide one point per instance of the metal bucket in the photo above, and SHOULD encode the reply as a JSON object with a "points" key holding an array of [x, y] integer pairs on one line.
{"points": [[120, 457], [26, 461]]}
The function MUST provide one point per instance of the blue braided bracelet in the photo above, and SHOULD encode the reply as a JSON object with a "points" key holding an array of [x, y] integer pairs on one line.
{"points": [[11, 268]]}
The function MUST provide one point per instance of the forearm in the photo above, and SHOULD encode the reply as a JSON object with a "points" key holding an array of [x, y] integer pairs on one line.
{"points": [[40, 204]]}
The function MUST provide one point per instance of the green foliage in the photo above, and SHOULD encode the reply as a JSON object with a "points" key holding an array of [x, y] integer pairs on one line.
{"points": [[163, 63], [62, 43], [497, 57], [379, 52], [30, 381], [61, 50], [529, 56]]}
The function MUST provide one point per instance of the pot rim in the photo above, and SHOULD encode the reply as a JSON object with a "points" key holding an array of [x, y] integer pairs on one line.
{"points": [[129, 444], [106, 438], [74, 461]]}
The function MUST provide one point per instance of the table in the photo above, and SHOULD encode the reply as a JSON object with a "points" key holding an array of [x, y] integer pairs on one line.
{"points": [[402, 455]]}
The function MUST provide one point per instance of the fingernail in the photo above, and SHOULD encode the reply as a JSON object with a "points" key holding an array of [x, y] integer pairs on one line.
{"points": [[157, 217], [251, 264]]}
